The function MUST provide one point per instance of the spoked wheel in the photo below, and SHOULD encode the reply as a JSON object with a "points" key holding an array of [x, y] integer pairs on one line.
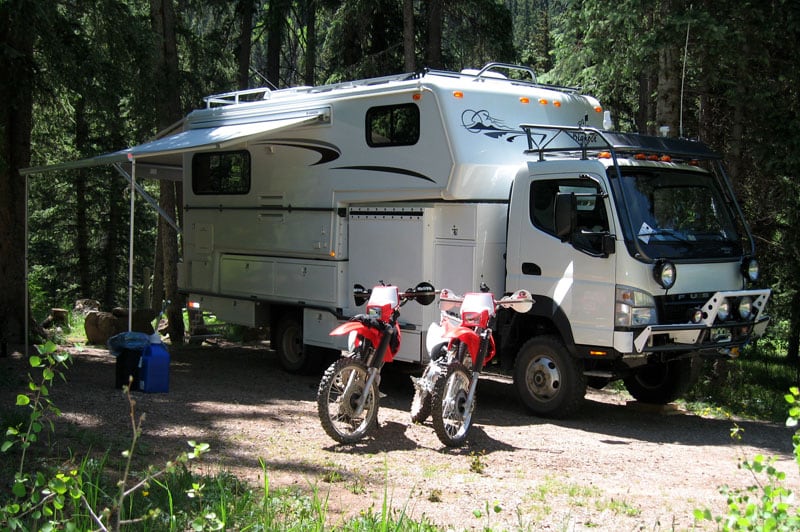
{"points": [[451, 417], [424, 385], [340, 390], [420, 405]]}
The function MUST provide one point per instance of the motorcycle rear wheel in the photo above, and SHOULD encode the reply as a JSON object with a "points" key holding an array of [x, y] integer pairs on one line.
{"points": [[451, 417], [340, 389]]}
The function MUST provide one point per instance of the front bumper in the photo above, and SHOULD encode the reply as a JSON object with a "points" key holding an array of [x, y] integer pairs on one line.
{"points": [[710, 333]]}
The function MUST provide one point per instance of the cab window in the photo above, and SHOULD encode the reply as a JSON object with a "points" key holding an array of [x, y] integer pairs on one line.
{"points": [[591, 219]]}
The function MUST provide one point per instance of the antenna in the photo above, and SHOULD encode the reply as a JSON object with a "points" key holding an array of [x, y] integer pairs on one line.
{"points": [[683, 75]]}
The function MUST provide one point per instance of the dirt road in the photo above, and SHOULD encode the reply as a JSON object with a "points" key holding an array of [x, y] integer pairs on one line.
{"points": [[614, 466]]}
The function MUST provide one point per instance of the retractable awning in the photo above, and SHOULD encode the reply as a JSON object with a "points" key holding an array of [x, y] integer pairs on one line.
{"points": [[162, 158]]}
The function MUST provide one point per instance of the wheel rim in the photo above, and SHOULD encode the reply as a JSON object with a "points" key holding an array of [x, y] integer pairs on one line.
{"points": [[455, 415], [345, 391], [543, 378]]}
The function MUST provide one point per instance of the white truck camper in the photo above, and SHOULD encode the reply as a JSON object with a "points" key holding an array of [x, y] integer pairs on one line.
{"points": [[634, 248]]}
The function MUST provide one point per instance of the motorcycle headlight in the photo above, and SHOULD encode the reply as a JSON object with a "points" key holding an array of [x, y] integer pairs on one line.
{"points": [[745, 308]]}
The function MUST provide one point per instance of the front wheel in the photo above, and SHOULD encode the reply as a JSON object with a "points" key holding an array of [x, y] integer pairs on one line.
{"points": [[548, 380], [452, 416], [340, 390], [662, 382]]}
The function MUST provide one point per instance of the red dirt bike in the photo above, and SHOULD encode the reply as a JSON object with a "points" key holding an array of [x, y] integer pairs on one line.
{"points": [[459, 347], [348, 397]]}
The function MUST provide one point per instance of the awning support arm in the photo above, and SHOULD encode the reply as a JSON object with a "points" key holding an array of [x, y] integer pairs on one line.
{"points": [[148, 198]]}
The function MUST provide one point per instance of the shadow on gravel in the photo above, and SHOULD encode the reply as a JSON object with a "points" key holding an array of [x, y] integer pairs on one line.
{"points": [[249, 383]]}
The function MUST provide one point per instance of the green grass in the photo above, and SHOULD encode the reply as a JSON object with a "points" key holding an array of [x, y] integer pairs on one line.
{"points": [[751, 386]]}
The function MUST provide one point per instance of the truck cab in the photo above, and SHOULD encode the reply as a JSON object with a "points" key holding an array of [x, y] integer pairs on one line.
{"points": [[639, 260]]}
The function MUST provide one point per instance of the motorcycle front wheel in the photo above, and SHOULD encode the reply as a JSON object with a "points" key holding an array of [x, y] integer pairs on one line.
{"points": [[452, 418], [340, 390]]}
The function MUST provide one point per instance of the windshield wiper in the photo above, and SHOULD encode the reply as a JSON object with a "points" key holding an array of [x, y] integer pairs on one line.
{"points": [[662, 232]]}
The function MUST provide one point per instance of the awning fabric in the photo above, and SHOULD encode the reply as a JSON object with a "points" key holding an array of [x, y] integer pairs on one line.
{"points": [[162, 158]]}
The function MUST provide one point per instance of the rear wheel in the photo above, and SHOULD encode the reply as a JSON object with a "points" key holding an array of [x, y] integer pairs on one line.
{"points": [[661, 382], [452, 417], [341, 388], [549, 382], [294, 356]]}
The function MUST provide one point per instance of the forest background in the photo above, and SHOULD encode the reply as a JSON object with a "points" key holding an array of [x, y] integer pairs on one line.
{"points": [[80, 78]]}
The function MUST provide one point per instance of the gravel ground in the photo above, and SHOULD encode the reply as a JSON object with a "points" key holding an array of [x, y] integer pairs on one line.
{"points": [[616, 465]]}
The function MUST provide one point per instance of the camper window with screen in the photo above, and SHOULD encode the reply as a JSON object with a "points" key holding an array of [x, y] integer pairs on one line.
{"points": [[393, 125], [221, 173]]}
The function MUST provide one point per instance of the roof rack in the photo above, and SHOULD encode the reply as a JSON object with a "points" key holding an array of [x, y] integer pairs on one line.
{"points": [[592, 139]]}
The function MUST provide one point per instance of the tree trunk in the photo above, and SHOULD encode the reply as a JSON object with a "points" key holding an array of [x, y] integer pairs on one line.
{"points": [[669, 90], [245, 8], [16, 119], [168, 109], [310, 57], [434, 54], [793, 349], [81, 203], [276, 22], [409, 53]]}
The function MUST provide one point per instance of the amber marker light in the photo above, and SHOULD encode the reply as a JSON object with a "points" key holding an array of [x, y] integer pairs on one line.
{"points": [[332, 253], [665, 158], [604, 155], [524, 99], [640, 157], [557, 103], [598, 109], [417, 96], [543, 101], [458, 94], [598, 353]]}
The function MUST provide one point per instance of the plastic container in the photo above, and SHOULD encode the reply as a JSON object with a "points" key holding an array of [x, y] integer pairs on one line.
{"points": [[154, 369], [127, 347]]}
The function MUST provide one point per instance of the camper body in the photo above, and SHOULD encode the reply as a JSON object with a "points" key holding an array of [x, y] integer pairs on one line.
{"points": [[436, 177]]}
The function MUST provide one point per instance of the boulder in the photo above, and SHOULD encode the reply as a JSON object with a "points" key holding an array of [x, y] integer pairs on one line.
{"points": [[100, 326]]}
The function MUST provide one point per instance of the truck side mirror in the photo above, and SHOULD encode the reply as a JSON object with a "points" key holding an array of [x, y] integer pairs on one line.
{"points": [[566, 212]]}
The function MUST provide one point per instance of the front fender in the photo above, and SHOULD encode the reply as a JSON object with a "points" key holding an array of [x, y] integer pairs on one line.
{"points": [[373, 335], [466, 336]]}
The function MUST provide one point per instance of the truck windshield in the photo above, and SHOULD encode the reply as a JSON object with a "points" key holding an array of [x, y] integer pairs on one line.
{"points": [[679, 214]]}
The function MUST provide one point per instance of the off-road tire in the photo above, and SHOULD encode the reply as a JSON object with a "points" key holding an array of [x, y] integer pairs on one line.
{"points": [[335, 401], [662, 382], [450, 419], [549, 382]]}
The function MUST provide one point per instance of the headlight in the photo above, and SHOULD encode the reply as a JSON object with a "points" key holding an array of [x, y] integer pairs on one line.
{"points": [[724, 310], [745, 307], [634, 308], [750, 269], [665, 273]]}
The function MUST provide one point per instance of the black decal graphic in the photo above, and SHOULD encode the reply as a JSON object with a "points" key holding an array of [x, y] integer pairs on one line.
{"points": [[388, 169], [481, 122], [327, 152]]}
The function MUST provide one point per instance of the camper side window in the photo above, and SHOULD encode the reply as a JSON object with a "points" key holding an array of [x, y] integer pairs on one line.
{"points": [[393, 125], [221, 173]]}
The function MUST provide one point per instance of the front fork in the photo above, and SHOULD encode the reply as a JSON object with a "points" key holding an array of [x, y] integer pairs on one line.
{"points": [[374, 367], [483, 349]]}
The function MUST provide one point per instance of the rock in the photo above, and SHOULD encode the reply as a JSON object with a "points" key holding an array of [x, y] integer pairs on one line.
{"points": [[142, 319], [100, 326]]}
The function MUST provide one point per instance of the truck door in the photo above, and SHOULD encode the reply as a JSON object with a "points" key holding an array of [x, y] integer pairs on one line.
{"points": [[572, 276]]}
